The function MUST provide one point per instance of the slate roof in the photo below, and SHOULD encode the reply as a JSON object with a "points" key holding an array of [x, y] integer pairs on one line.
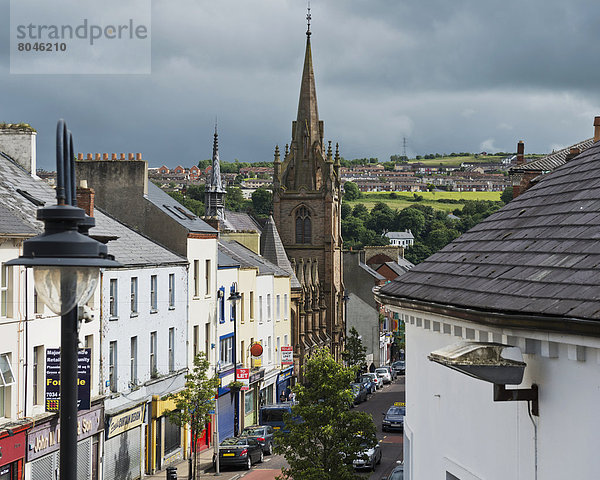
{"points": [[400, 268], [400, 235], [225, 261], [240, 221], [273, 250], [554, 160], [176, 211], [248, 259], [537, 256], [128, 247]]}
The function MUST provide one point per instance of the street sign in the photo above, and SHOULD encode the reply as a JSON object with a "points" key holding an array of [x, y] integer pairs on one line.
{"points": [[243, 375], [287, 355], [84, 364]]}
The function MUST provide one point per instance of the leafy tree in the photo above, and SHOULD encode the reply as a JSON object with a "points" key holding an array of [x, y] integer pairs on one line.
{"points": [[195, 206], [235, 201], [355, 353], [351, 191], [381, 219], [262, 201], [418, 252], [360, 211], [346, 210], [194, 403], [411, 219], [330, 436], [507, 195], [196, 192]]}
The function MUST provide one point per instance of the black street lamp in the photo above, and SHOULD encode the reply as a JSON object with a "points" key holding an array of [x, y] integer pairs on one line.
{"points": [[65, 262], [234, 298]]}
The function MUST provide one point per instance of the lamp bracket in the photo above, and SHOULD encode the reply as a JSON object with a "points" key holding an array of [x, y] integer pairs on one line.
{"points": [[502, 394]]}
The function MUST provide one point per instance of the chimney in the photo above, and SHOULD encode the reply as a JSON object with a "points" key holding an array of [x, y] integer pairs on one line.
{"points": [[520, 153], [130, 156], [80, 157], [573, 152], [85, 198], [114, 156], [105, 156], [596, 129], [19, 143]]}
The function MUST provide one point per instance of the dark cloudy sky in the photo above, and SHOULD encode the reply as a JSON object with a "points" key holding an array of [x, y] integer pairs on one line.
{"points": [[461, 75]]}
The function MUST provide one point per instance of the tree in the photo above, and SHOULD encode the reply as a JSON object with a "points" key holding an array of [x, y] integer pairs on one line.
{"points": [[346, 210], [194, 403], [355, 353], [330, 436], [234, 200], [507, 195], [412, 219], [351, 191], [262, 201]]}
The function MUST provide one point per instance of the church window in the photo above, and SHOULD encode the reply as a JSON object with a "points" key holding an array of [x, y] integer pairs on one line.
{"points": [[303, 226]]}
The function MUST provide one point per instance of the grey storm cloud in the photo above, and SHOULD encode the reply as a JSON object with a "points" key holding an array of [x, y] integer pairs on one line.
{"points": [[449, 76]]}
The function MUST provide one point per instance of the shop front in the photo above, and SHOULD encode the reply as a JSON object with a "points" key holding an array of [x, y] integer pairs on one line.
{"points": [[43, 442], [284, 381], [123, 445], [251, 397], [166, 442], [12, 452]]}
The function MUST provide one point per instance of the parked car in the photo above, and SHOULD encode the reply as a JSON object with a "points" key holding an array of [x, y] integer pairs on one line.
{"points": [[369, 458], [383, 373], [239, 452], [397, 473], [399, 366], [375, 379], [392, 372], [368, 382], [263, 434], [359, 391], [393, 419]]}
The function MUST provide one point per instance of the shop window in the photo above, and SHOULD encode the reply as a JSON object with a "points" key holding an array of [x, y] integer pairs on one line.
{"points": [[172, 436], [248, 402]]}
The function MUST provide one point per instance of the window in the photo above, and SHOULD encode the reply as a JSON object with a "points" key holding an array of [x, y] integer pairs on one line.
{"points": [[269, 350], [171, 291], [260, 309], [196, 339], [268, 306], [285, 341], [248, 402], [303, 225], [278, 307], [285, 306], [112, 306], [196, 278], [226, 350], [242, 308], [6, 301], [153, 369], [278, 350], [251, 305], [221, 301], [207, 339], [243, 353], [171, 349], [172, 436], [112, 366], [38, 305], [153, 294], [133, 361], [37, 373], [134, 296], [207, 277]]}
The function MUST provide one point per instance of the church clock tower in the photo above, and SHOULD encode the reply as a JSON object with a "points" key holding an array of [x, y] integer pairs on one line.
{"points": [[306, 211]]}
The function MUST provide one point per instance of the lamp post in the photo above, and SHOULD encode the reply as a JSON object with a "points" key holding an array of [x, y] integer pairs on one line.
{"points": [[65, 262], [234, 298]]}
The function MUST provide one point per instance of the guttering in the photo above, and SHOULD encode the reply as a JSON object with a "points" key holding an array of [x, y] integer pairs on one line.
{"points": [[558, 324]]}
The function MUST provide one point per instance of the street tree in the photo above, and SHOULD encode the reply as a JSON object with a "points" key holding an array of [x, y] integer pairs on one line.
{"points": [[355, 353], [194, 404], [329, 436]]}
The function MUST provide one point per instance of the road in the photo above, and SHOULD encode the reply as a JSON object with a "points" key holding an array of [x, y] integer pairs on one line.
{"points": [[391, 443]]}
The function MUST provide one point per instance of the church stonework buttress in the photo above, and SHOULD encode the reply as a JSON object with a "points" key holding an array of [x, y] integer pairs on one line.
{"points": [[306, 211]]}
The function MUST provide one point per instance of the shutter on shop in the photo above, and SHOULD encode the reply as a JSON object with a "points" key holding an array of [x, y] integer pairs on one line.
{"points": [[44, 468], [226, 412], [123, 456]]}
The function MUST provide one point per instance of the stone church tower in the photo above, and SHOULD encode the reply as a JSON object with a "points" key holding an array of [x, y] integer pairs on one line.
{"points": [[306, 211]]}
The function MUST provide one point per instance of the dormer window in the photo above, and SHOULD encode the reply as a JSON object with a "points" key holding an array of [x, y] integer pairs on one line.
{"points": [[303, 225]]}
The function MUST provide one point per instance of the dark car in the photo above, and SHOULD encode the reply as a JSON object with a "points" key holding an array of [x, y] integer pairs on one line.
{"points": [[399, 367], [263, 434], [272, 415], [394, 418], [360, 392], [239, 452], [397, 473]]}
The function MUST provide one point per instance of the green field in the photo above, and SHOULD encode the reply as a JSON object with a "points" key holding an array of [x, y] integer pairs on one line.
{"points": [[456, 161], [402, 199]]}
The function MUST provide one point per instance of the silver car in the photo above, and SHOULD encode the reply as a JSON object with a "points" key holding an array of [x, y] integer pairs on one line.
{"points": [[369, 458]]}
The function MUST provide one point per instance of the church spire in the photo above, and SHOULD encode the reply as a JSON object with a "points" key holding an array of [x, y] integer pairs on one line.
{"points": [[215, 193]]}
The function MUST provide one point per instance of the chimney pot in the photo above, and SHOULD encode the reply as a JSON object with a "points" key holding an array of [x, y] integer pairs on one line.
{"points": [[114, 156], [138, 156], [520, 153], [80, 156], [98, 156], [105, 156], [596, 129], [89, 156], [130, 155], [122, 156]]}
